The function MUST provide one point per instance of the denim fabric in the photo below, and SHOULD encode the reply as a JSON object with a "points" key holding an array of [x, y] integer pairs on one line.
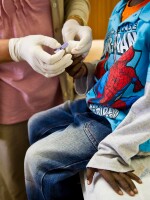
{"points": [[63, 140]]}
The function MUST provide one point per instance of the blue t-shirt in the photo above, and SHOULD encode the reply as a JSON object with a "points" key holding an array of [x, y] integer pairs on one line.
{"points": [[121, 73]]}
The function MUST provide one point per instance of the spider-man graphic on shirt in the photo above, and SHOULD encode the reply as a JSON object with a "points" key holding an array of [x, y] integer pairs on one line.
{"points": [[112, 84]]}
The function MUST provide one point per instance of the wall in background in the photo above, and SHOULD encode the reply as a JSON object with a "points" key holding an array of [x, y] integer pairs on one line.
{"points": [[99, 16]]}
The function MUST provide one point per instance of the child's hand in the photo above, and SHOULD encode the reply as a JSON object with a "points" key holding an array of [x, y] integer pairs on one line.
{"points": [[77, 69], [116, 180]]}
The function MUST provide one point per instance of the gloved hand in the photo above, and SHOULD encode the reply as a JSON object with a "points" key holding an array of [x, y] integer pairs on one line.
{"points": [[30, 49], [78, 37]]}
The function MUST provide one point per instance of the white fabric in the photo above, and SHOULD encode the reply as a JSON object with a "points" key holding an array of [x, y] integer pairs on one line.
{"points": [[79, 37], [100, 189], [30, 49]]}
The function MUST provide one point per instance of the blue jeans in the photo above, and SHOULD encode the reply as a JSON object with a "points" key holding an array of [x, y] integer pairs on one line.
{"points": [[63, 140]]}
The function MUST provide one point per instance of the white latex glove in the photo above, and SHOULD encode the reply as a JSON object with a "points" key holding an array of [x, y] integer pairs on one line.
{"points": [[30, 49], [78, 37]]}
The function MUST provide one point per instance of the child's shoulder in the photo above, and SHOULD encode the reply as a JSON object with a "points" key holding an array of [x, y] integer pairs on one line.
{"points": [[144, 15], [119, 6]]}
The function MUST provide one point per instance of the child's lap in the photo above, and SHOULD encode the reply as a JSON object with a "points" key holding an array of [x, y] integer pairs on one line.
{"points": [[72, 116]]}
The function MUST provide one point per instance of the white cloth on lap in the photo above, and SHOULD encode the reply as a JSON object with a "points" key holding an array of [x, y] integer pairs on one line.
{"points": [[100, 190]]}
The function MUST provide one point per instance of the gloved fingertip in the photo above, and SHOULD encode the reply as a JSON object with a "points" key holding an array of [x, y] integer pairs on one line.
{"points": [[74, 51], [69, 55], [58, 45], [46, 75]]}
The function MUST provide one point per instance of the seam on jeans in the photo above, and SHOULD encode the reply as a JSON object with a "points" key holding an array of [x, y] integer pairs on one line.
{"points": [[48, 129], [55, 125], [90, 135], [62, 167]]}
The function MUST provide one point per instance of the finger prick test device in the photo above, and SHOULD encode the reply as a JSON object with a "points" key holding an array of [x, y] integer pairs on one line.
{"points": [[62, 47]]}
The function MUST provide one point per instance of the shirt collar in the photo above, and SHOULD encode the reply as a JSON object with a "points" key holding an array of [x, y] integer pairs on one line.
{"points": [[144, 14]]}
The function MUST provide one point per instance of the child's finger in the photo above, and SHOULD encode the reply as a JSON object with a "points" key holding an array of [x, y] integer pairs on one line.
{"points": [[76, 59], [108, 176], [131, 183], [72, 70], [123, 183], [89, 175], [134, 177]]}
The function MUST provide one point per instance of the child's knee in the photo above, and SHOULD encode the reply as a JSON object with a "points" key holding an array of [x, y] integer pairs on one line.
{"points": [[32, 161]]}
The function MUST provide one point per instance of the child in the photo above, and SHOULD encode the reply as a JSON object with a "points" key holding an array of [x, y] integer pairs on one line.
{"points": [[69, 134]]}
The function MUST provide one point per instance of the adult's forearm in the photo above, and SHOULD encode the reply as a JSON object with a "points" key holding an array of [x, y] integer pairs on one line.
{"points": [[78, 10], [4, 51]]}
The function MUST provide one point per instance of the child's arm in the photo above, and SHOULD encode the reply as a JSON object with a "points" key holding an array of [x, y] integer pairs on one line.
{"points": [[82, 73], [116, 151]]}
